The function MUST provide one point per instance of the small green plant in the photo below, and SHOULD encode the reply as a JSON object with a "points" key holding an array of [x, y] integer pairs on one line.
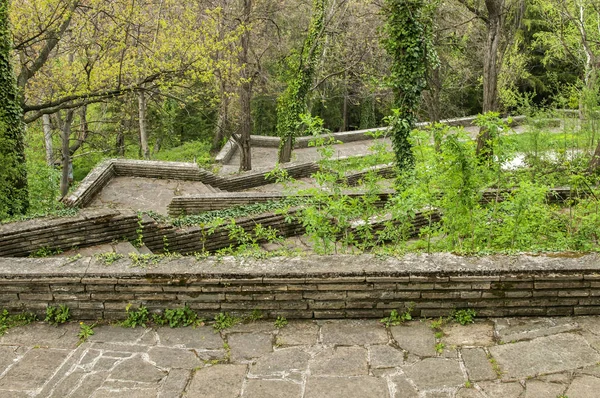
{"points": [[8, 321], [255, 315], [72, 259], [280, 322], [45, 252], [139, 241], [468, 384], [109, 257], [224, 321], [396, 319], [464, 317], [135, 318], [57, 315], [179, 317], [85, 331], [495, 366], [439, 347], [142, 260]]}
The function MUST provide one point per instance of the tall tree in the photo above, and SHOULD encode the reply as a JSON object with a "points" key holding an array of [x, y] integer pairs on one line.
{"points": [[292, 102], [409, 44], [13, 174]]}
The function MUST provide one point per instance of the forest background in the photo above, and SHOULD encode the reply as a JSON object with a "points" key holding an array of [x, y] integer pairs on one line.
{"points": [[173, 80]]}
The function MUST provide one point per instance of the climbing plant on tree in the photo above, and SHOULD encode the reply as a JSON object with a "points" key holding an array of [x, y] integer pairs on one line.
{"points": [[292, 102], [408, 42], [13, 175]]}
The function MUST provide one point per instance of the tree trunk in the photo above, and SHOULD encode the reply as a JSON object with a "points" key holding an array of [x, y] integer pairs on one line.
{"points": [[245, 93], [285, 153], [83, 131], [66, 154], [47, 127], [222, 125], [142, 105], [491, 66]]}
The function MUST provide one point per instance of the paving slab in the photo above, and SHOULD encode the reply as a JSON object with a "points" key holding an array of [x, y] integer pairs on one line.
{"points": [[281, 363], [42, 335], [498, 389], [203, 338], [541, 389], [340, 361], [475, 334], [402, 388], [478, 364], [174, 358], [340, 387], [433, 373], [245, 346], [385, 356], [272, 389], [223, 381], [298, 333], [138, 370], [584, 387], [543, 355], [32, 371], [353, 333], [517, 329], [415, 337]]}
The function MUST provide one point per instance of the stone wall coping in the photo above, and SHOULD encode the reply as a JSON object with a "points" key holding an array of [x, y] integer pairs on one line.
{"points": [[281, 268], [38, 224]]}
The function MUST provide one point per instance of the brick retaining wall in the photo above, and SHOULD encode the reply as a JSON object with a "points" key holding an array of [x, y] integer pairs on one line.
{"points": [[309, 287]]}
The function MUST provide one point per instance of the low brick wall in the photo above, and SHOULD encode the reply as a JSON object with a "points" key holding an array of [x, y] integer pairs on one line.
{"points": [[309, 287], [105, 171], [196, 204]]}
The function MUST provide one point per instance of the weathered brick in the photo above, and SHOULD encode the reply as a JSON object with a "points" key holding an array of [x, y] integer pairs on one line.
{"points": [[262, 297], [219, 289], [156, 296], [346, 287], [375, 294], [337, 279], [573, 293], [429, 278], [251, 305], [388, 279], [112, 296], [99, 281], [293, 305], [518, 293], [288, 296], [118, 305], [474, 278], [139, 289], [470, 295], [238, 296], [100, 288], [435, 312], [323, 314], [587, 310], [79, 288], [285, 281], [440, 295], [325, 295], [195, 305], [360, 304], [559, 311], [188, 296], [372, 313], [452, 286], [562, 284], [71, 296], [414, 286], [558, 277], [328, 305], [264, 288], [35, 296], [310, 287]]}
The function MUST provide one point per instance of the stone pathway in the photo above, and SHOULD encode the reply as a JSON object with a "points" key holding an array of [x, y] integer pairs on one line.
{"points": [[501, 358]]}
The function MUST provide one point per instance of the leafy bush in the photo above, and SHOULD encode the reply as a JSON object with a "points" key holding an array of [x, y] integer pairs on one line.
{"points": [[57, 315]]}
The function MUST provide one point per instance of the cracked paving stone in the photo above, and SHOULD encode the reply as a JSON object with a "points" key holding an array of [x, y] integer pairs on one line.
{"points": [[138, 370], [519, 329], [346, 387], [403, 387], [501, 390], [415, 337], [478, 365], [91, 382], [584, 387], [105, 363], [340, 361], [40, 335], [7, 357], [33, 370], [13, 394], [469, 393], [175, 383], [116, 334], [168, 357], [280, 362], [543, 355], [66, 385], [475, 334], [385, 356], [203, 338], [246, 346], [272, 389], [129, 393], [298, 333], [589, 323], [433, 373], [540, 389], [223, 381], [353, 333]]}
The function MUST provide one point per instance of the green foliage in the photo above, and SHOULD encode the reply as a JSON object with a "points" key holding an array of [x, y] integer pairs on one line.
{"points": [[13, 173], [180, 317], [255, 315], [225, 321], [135, 318], [292, 102], [464, 316], [191, 151], [57, 315], [45, 252], [85, 331], [8, 321], [395, 318], [408, 42], [280, 322], [109, 257], [143, 260]]}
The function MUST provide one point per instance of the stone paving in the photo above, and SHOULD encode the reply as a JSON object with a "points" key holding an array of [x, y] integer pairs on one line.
{"points": [[499, 358]]}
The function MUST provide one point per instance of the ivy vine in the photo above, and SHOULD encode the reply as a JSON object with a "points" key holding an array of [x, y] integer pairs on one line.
{"points": [[292, 102], [13, 174], [408, 41]]}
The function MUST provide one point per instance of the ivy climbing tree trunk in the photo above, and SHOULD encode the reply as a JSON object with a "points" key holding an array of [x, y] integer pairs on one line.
{"points": [[292, 102], [13, 173], [47, 128], [409, 44], [245, 93]]}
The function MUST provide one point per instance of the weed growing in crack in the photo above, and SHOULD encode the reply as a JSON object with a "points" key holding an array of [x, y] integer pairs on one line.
{"points": [[57, 315]]}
